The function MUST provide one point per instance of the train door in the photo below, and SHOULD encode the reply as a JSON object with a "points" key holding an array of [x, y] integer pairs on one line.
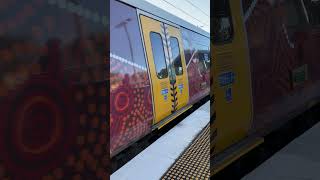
{"points": [[232, 78], [167, 67]]}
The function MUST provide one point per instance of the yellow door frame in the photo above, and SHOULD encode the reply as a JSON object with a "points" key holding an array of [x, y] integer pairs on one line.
{"points": [[167, 94]]}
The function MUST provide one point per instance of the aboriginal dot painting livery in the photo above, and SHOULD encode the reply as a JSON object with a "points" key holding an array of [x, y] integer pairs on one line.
{"points": [[53, 89], [159, 67]]}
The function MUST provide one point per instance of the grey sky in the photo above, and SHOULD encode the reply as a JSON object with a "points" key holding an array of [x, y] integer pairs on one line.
{"points": [[188, 10]]}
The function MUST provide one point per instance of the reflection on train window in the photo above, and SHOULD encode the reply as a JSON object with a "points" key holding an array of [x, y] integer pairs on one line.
{"points": [[204, 62], [295, 16], [158, 55], [246, 5], [313, 11], [206, 59], [222, 22], [177, 64]]}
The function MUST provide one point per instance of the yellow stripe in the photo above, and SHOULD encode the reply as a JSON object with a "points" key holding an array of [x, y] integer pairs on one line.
{"points": [[237, 155]]}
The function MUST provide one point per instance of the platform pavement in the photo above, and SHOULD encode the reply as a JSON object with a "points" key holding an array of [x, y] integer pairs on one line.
{"points": [[155, 160], [299, 160]]}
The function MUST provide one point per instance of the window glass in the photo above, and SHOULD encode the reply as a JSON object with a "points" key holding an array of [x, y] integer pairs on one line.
{"points": [[125, 38], [295, 17], [204, 61], [187, 45], [313, 11], [246, 5], [158, 55], [177, 64], [222, 22]]}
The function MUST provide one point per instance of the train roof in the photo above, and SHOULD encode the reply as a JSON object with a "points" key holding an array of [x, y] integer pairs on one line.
{"points": [[152, 9]]}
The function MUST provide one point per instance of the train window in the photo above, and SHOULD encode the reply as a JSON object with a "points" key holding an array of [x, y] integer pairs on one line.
{"points": [[204, 61], [295, 17], [175, 49], [246, 5], [313, 10], [158, 55], [222, 22]]}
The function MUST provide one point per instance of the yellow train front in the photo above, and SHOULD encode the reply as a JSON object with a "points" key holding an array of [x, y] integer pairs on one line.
{"points": [[265, 71]]}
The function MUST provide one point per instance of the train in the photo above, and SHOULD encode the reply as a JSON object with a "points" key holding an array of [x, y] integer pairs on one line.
{"points": [[69, 83], [56, 115], [265, 71], [159, 68]]}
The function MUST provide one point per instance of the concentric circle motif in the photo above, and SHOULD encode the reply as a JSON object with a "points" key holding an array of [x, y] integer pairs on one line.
{"points": [[38, 128], [136, 121], [122, 99], [39, 118]]}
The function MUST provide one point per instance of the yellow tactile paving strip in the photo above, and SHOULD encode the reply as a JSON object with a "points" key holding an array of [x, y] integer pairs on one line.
{"points": [[194, 162]]}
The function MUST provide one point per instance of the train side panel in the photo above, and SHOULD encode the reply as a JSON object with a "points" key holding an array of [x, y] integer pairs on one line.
{"points": [[131, 111], [53, 90], [197, 55], [283, 58]]}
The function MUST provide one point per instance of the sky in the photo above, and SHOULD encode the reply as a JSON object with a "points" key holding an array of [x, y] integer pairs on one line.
{"points": [[188, 10]]}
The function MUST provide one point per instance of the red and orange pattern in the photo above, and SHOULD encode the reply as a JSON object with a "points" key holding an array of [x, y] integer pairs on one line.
{"points": [[273, 55], [130, 104], [53, 93]]}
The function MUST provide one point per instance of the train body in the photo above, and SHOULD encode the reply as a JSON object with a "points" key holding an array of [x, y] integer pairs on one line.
{"points": [[53, 78], [53, 92], [159, 67], [271, 50]]}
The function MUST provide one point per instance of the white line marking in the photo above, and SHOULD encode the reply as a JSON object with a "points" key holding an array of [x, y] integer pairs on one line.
{"points": [[121, 59]]}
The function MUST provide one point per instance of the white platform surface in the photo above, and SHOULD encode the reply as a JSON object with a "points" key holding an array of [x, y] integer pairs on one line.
{"points": [[156, 159], [299, 160]]}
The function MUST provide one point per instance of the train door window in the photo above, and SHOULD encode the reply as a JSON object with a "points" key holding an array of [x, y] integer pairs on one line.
{"points": [[222, 22], [158, 55], [313, 10], [176, 57]]}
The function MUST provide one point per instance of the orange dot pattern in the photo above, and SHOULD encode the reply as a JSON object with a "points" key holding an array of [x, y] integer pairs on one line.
{"points": [[87, 161], [130, 116], [194, 162], [81, 64]]}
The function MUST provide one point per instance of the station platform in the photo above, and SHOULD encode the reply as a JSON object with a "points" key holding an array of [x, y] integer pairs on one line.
{"points": [[181, 153], [300, 159]]}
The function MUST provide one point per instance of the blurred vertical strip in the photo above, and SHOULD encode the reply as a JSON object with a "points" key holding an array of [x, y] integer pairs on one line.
{"points": [[54, 89]]}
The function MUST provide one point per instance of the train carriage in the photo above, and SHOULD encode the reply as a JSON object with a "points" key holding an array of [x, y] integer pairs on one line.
{"points": [[159, 67]]}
